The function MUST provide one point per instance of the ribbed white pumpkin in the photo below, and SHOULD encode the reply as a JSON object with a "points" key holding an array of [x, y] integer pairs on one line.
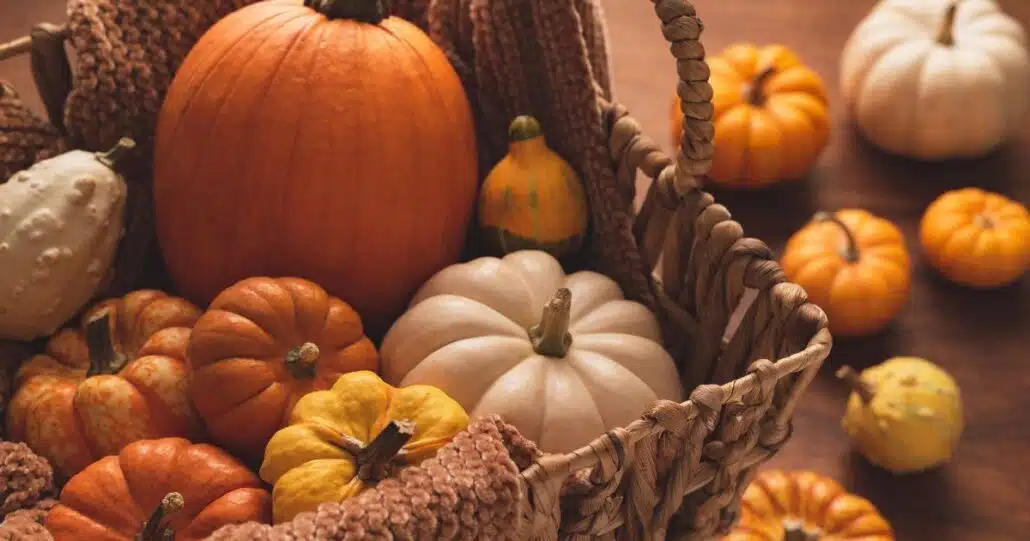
{"points": [[937, 79], [60, 223], [563, 358]]}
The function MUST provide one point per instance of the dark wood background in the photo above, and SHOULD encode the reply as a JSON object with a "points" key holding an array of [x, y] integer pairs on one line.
{"points": [[981, 337]]}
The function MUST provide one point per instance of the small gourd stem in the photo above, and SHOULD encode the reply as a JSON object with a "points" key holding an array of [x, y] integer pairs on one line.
{"points": [[551, 336], [985, 221], [755, 91], [946, 32], [795, 531], [850, 251], [524, 128], [365, 11], [103, 358], [863, 389], [153, 529], [376, 460], [113, 157], [300, 361]]}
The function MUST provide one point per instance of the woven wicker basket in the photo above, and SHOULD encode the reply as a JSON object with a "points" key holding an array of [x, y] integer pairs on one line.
{"points": [[748, 337]]}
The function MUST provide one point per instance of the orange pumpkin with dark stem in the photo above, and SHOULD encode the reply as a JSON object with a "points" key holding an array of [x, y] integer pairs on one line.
{"points": [[806, 506], [167, 489], [337, 146], [977, 238], [122, 377], [262, 344], [771, 116], [854, 266]]}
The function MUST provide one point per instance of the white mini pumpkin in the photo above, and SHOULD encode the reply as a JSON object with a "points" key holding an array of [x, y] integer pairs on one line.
{"points": [[937, 79], [60, 223], [563, 358]]}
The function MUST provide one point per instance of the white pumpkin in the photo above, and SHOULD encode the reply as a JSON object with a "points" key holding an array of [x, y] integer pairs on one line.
{"points": [[563, 358], [60, 223], [937, 79]]}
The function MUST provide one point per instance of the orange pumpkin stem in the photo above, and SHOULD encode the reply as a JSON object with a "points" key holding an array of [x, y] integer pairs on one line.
{"points": [[551, 336], [377, 460], [300, 361], [366, 11], [153, 530], [946, 33], [850, 251], [755, 92], [112, 157], [103, 357], [863, 389], [795, 531]]}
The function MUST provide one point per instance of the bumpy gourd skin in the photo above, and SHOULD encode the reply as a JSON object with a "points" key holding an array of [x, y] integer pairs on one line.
{"points": [[913, 420]]}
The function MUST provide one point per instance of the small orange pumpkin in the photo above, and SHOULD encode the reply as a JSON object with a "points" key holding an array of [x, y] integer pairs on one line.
{"points": [[122, 377], [977, 238], [854, 266], [771, 116], [806, 506], [167, 489], [262, 344]]}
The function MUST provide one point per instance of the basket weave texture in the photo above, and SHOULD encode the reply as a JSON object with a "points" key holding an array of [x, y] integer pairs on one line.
{"points": [[747, 342]]}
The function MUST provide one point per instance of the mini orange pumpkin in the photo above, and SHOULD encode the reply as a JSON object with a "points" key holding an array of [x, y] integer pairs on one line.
{"points": [[167, 489], [806, 506], [771, 116], [854, 265], [977, 238], [262, 344], [122, 377]]}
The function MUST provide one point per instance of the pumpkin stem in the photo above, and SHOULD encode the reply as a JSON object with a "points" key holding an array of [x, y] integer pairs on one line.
{"points": [[795, 531], [946, 32], [376, 460], [365, 11], [300, 361], [551, 336], [850, 251], [864, 389], [112, 157], [985, 221], [152, 528], [754, 92], [103, 357], [524, 128]]}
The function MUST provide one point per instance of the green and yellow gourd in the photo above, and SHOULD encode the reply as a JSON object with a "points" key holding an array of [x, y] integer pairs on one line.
{"points": [[532, 199]]}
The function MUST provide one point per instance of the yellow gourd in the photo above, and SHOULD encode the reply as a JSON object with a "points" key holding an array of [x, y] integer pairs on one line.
{"points": [[341, 441], [532, 199], [904, 415]]}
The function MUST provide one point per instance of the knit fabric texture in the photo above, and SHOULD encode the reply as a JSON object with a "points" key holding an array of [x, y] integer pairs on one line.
{"points": [[469, 491], [25, 138], [25, 477]]}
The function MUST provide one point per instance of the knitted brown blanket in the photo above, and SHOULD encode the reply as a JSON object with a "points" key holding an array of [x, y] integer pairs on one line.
{"points": [[24, 137]]}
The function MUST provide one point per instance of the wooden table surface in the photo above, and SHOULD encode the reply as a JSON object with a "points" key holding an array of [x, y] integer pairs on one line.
{"points": [[984, 494]]}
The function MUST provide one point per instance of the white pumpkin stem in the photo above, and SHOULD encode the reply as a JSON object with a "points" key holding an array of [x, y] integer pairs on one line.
{"points": [[551, 336], [850, 251], [153, 530], [377, 460], [103, 357], [113, 157], [300, 361], [946, 32], [863, 389], [795, 531]]}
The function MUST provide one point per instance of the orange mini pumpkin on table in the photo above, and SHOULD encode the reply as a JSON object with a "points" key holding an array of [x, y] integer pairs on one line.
{"points": [[122, 377], [264, 343], [167, 489], [771, 116], [854, 265], [806, 506], [977, 238]]}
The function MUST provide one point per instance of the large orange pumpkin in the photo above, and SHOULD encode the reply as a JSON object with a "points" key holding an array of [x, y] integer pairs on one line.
{"points": [[330, 143]]}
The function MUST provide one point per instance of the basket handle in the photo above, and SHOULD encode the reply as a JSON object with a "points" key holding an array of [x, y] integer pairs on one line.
{"points": [[51, 69], [682, 29]]}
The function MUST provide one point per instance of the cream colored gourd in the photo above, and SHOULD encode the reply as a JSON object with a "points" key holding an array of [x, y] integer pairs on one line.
{"points": [[562, 357], [60, 223], [937, 79]]}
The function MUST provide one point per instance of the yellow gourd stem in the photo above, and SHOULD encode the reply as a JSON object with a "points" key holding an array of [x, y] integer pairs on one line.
{"points": [[112, 157], [376, 460], [850, 251], [754, 92], [152, 528], [795, 531], [103, 358], [300, 361], [366, 11], [551, 336], [863, 389], [946, 32]]}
